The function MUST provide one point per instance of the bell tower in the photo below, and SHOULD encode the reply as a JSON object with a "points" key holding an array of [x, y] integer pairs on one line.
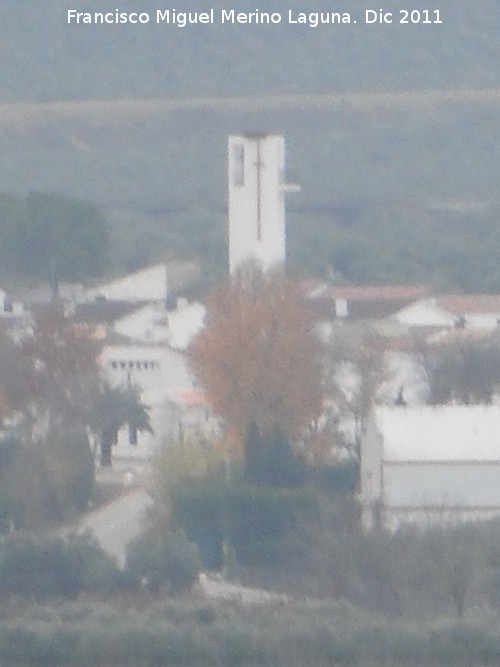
{"points": [[256, 200]]}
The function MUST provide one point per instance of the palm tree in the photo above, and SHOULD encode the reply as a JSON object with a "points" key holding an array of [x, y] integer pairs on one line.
{"points": [[116, 407]]}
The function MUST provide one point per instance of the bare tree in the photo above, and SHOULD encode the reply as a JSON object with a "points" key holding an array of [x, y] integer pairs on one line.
{"points": [[464, 373], [354, 372]]}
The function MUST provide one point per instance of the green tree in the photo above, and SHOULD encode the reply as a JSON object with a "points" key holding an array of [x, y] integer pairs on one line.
{"points": [[270, 459], [60, 238], [70, 466]]}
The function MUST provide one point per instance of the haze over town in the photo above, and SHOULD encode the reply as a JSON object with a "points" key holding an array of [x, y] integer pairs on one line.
{"points": [[249, 334]]}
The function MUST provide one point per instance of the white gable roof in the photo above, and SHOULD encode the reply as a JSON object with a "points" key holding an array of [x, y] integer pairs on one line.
{"points": [[146, 285], [439, 433], [146, 325], [425, 312]]}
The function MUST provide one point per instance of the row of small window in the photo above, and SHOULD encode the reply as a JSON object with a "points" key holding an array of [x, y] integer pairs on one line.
{"points": [[136, 365]]}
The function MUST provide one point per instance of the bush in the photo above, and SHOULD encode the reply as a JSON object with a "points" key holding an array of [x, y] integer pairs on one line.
{"points": [[270, 460], [44, 567], [252, 518], [27, 489], [98, 572], [260, 517], [340, 478], [194, 456], [198, 508], [163, 557], [70, 467], [43, 484]]}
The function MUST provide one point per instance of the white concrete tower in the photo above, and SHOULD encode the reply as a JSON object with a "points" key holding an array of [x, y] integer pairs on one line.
{"points": [[256, 200]]}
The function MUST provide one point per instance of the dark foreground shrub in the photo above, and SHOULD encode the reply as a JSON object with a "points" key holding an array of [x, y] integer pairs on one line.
{"points": [[99, 574], [162, 557], [271, 461], [70, 466], [340, 478], [43, 567], [260, 517], [171, 632], [45, 483], [253, 519]]}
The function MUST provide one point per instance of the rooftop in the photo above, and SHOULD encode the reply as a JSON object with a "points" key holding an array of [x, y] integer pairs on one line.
{"points": [[446, 433], [148, 284], [373, 292], [460, 304]]}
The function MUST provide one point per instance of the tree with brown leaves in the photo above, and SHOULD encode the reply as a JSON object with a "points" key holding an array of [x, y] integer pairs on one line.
{"points": [[67, 380], [259, 358]]}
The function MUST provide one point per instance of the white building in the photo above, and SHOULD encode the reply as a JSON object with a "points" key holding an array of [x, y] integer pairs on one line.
{"points": [[256, 200], [146, 285], [426, 313], [430, 463], [164, 380], [470, 311]]}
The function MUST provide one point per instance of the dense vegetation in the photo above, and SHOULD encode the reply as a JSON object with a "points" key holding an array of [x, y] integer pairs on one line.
{"points": [[419, 598], [202, 634], [42, 567], [308, 541]]}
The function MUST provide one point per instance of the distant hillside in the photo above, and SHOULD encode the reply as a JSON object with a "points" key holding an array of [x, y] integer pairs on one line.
{"points": [[43, 58], [396, 186]]}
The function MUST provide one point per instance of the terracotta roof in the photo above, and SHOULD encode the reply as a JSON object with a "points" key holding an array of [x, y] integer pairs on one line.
{"points": [[452, 336], [375, 292], [390, 343], [191, 398], [363, 301], [459, 304]]}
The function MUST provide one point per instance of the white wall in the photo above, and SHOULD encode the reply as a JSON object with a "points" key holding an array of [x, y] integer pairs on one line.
{"points": [[370, 474], [256, 201], [146, 367], [430, 463], [158, 372], [442, 485]]}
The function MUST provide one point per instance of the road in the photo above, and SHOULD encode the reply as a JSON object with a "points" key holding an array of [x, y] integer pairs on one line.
{"points": [[118, 522]]}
